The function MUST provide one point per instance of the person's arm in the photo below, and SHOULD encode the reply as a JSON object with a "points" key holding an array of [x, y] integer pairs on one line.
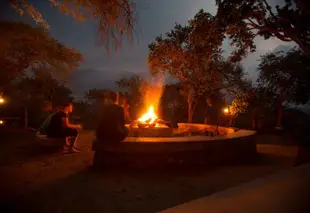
{"points": [[127, 114], [67, 124], [122, 117]]}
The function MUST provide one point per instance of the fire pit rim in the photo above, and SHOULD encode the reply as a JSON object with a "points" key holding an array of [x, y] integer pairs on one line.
{"points": [[189, 139]]}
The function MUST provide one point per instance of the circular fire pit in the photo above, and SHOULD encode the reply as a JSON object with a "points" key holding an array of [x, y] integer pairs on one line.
{"points": [[189, 145]]}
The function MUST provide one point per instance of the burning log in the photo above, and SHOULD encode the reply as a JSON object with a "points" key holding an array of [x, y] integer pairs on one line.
{"points": [[150, 120], [158, 123]]}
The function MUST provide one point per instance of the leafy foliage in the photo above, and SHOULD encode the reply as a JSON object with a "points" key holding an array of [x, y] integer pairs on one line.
{"points": [[240, 104], [33, 94], [95, 99], [290, 71], [114, 17], [286, 22], [83, 111], [24, 47], [95, 95], [132, 83], [135, 85], [192, 55], [41, 89]]}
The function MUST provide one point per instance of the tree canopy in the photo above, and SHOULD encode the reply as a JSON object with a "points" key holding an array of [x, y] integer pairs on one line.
{"points": [[114, 17], [290, 71], [23, 47], [132, 83], [40, 89], [95, 96], [32, 97], [193, 56], [286, 22], [240, 103]]}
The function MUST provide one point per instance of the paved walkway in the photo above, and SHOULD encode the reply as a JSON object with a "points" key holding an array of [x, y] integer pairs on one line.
{"points": [[286, 192]]}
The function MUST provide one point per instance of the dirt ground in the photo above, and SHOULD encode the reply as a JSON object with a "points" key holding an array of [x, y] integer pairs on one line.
{"points": [[63, 183]]}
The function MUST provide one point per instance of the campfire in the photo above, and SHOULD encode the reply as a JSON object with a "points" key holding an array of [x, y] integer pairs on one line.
{"points": [[150, 120]]}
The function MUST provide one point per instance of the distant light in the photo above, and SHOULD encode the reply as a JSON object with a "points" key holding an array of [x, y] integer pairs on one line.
{"points": [[226, 110], [1, 100], [1, 122]]}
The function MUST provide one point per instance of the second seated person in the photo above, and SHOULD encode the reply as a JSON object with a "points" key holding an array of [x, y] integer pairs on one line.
{"points": [[111, 125]]}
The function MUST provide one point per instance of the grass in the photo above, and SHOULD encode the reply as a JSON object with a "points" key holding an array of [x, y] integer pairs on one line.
{"points": [[63, 183]]}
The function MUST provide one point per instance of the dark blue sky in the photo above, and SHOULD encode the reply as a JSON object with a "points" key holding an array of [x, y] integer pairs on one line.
{"points": [[155, 17]]}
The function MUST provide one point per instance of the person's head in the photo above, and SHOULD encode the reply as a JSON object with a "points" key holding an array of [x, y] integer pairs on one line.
{"points": [[122, 99], [67, 108], [110, 97]]}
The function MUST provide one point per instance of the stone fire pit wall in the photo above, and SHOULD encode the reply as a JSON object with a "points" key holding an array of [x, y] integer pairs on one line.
{"points": [[155, 152], [210, 128]]}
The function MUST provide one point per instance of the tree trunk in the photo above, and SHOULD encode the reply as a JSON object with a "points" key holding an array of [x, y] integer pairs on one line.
{"points": [[280, 110], [191, 110], [25, 117], [231, 120], [191, 105]]}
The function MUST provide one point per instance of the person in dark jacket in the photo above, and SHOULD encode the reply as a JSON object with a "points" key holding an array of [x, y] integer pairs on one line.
{"points": [[111, 126]]}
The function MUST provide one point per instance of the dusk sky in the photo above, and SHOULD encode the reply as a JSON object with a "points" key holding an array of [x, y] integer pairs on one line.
{"points": [[155, 17]]}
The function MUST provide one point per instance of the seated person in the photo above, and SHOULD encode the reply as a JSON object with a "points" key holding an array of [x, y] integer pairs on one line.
{"points": [[59, 127], [44, 125], [123, 102], [111, 126]]}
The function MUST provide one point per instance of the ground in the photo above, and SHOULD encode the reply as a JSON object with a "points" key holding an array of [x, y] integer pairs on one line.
{"points": [[63, 182]]}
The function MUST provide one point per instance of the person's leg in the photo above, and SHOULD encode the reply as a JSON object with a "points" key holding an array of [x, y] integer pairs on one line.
{"points": [[72, 136], [68, 142], [58, 136]]}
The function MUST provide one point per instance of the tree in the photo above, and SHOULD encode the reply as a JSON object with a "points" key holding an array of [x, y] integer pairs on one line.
{"points": [[32, 93], [83, 111], [23, 47], [114, 17], [172, 104], [193, 56], [286, 22], [95, 98], [239, 105], [288, 71], [286, 77], [135, 85]]}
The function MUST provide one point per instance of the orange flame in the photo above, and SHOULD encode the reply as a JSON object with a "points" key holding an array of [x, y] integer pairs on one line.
{"points": [[149, 117]]}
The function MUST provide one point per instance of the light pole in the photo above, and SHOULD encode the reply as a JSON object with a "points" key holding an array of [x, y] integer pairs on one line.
{"points": [[227, 112], [1, 102]]}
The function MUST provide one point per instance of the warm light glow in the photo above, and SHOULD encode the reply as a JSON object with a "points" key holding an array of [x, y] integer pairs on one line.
{"points": [[1, 122], [149, 117], [152, 92], [226, 110], [1, 100]]}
